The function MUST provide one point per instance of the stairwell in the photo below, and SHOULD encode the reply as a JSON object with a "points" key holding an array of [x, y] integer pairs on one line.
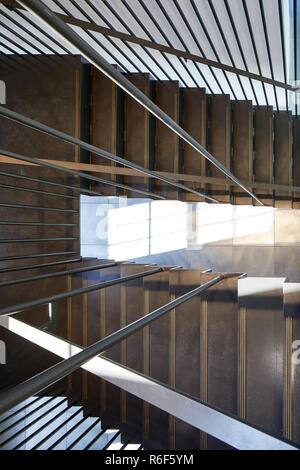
{"points": [[50, 423], [258, 144], [229, 347]]}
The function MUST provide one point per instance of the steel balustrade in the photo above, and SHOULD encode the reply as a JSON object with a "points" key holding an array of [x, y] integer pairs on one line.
{"points": [[221, 424], [37, 208], [36, 240], [56, 274], [52, 183], [35, 266], [38, 224], [238, 433], [39, 255], [36, 191], [50, 376], [91, 148], [64, 295]]}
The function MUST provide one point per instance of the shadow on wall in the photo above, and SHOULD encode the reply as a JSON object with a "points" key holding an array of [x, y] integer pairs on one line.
{"points": [[262, 241]]}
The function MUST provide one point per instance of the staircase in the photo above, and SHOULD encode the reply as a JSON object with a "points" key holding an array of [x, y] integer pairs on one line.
{"points": [[50, 423], [230, 347], [256, 143]]}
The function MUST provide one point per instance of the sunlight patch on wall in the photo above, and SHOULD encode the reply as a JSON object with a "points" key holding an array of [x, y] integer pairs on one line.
{"points": [[121, 229], [144, 229]]}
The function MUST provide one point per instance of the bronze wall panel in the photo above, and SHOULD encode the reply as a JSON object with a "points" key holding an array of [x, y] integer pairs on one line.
{"points": [[167, 143], [185, 341], [263, 147], [242, 145], [156, 358], [283, 155], [137, 132], [264, 353], [219, 139], [194, 119]]}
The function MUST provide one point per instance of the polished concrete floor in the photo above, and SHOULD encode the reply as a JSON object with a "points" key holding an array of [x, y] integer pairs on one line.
{"points": [[259, 241]]}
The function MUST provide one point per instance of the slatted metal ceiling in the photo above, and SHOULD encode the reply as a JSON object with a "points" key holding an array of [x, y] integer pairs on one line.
{"points": [[253, 35]]}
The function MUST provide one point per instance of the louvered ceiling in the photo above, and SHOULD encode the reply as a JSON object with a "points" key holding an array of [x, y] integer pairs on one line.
{"points": [[256, 36]]}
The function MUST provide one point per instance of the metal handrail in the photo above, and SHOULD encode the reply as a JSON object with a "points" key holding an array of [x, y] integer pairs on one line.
{"points": [[36, 191], [37, 208], [56, 274], [36, 240], [51, 183], [38, 224], [39, 255], [35, 266], [39, 382], [20, 118], [47, 16], [11, 310], [40, 162], [225, 426]]}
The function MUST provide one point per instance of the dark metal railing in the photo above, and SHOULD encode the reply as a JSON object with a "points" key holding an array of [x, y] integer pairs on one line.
{"points": [[37, 208], [38, 255], [64, 295], [35, 266], [38, 224], [48, 130], [36, 191], [36, 240], [237, 432], [56, 274], [52, 183], [92, 149], [39, 382]]}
